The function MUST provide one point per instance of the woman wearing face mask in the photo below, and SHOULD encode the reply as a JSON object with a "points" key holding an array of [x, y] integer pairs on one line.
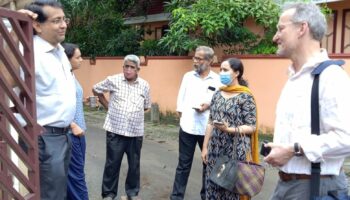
{"points": [[234, 106], [77, 189]]}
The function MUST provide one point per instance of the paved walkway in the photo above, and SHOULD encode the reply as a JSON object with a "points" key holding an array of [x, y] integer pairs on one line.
{"points": [[158, 164]]}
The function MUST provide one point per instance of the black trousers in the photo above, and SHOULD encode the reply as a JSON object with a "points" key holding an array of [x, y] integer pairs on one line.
{"points": [[116, 146], [187, 147], [54, 157]]}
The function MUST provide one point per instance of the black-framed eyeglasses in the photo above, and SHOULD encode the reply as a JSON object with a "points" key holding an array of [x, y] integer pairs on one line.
{"points": [[194, 58], [59, 21]]}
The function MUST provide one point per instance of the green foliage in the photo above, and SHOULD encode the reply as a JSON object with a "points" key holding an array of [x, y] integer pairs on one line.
{"points": [[268, 137], [169, 118], [217, 23], [264, 46], [97, 26], [124, 5], [324, 8], [126, 42], [153, 48], [174, 4]]}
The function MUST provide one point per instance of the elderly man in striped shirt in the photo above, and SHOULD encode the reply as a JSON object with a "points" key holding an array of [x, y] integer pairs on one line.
{"points": [[129, 97]]}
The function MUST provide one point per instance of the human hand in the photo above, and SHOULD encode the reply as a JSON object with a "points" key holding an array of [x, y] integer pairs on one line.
{"points": [[204, 106], [28, 13], [201, 108], [223, 126], [179, 114], [279, 155], [204, 155], [76, 130]]}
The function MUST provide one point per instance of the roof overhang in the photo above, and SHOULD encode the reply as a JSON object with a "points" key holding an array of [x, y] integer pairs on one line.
{"points": [[147, 19]]}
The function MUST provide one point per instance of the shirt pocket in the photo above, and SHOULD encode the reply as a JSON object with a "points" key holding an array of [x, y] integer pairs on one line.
{"points": [[137, 100]]}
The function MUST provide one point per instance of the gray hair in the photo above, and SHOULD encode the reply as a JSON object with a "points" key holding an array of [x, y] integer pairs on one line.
{"points": [[134, 59], [312, 15], [209, 52]]}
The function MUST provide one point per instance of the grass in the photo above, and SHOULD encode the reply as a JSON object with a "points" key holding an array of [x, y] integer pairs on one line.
{"points": [[267, 137]]}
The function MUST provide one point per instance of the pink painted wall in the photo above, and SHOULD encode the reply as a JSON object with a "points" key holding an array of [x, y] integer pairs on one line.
{"points": [[266, 76]]}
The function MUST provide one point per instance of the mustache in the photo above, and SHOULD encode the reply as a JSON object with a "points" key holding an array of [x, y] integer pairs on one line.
{"points": [[200, 67]]}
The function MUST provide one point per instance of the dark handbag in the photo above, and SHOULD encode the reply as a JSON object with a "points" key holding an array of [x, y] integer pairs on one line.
{"points": [[224, 172]]}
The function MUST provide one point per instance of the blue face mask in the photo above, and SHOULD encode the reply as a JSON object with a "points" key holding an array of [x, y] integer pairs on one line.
{"points": [[225, 78]]}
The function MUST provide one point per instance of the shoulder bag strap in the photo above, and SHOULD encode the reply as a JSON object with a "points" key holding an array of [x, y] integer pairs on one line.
{"points": [[315, 123]]}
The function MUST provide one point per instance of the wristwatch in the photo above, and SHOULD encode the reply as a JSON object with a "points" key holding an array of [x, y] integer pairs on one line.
{"points": [[297, 149]]}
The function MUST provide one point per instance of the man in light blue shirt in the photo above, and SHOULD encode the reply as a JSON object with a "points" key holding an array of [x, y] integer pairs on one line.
{"points": [[55, 96], [193, 102]]}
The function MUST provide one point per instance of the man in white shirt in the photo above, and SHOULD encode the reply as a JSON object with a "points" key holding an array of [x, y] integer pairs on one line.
{"points": [[55, 96], [193, 102], [300, 29]]}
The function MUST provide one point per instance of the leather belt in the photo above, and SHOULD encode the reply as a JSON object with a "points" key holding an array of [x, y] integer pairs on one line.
{"points": [[52, 129], [289, 177]]}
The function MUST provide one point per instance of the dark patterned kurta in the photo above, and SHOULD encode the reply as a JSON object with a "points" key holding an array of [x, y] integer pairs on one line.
{"points": [[236, 111]]}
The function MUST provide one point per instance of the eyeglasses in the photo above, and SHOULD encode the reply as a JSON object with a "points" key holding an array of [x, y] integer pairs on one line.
{"points": [[59, 21], [198, 59], [129, 67], [280, 27]]}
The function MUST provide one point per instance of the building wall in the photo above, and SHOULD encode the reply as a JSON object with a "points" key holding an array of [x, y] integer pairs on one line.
{"points": [[341, 8], [266, 76]]}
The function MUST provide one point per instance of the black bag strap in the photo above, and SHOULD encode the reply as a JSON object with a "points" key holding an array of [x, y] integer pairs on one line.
{"points": [[315, 122]]}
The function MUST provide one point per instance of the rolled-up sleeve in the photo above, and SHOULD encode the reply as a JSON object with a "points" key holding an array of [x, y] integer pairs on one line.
{"points": [[103, 86]]}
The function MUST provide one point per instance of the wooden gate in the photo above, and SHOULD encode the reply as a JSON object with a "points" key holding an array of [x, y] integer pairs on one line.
{"points": [[19, 164]]}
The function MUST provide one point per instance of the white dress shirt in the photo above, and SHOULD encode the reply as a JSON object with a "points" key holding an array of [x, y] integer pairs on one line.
{"points": [[55, 86], [193, 92], [293, 118]]}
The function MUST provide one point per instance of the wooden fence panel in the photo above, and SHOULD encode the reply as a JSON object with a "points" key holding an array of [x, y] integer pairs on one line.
{"points": [[19, 163]]}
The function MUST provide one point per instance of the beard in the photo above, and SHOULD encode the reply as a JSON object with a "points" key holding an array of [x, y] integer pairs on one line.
{"points": [[279, 52], [285, 51], [200, 68]]}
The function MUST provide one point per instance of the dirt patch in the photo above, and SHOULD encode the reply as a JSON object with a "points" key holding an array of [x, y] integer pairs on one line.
{"points": [[158, 132]]}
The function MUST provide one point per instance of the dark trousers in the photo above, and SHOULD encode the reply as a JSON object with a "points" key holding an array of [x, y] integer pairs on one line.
{"points": [[187, 147], [77, 189], [54, 157], [116, 146]]}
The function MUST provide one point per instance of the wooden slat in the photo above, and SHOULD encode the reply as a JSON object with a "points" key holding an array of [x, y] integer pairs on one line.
{"points": [[22, 26]]}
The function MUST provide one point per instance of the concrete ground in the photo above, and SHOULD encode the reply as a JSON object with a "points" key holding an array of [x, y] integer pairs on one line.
{"points": [[158, 164]]}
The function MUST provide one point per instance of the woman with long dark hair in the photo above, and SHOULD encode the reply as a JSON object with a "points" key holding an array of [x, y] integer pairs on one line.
{"points": [[233, 116], [77, 189]]}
